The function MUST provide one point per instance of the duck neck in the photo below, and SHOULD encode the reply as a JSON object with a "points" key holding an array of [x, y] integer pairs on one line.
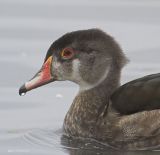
{"points": [[89, 104]]}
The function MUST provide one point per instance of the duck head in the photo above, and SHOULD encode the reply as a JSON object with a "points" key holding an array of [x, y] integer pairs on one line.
{"points": [[84, 57]]}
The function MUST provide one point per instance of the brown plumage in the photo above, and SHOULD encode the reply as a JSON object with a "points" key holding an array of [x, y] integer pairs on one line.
{"points": [[125, 117]]}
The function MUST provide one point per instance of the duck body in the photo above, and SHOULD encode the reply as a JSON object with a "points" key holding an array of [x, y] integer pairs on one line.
{"points": [[125, 117], [130, 127]]}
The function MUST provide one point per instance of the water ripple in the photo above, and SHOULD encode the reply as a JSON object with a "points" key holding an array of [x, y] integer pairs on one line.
{"points": [[43, 137]]}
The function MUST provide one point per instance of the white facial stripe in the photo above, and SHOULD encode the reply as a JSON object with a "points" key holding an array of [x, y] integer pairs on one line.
{"points": [[75, 69], [84, 85], [103, 76], [76, 75]]}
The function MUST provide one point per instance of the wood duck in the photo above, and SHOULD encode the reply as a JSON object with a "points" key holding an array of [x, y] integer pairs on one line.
{"points": [[124, 117]]}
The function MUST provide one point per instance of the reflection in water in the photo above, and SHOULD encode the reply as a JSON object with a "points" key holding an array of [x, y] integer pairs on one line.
{"points": [[55, 141], [92, 147], [83, 146]]}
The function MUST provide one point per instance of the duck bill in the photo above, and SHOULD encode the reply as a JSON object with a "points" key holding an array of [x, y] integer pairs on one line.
{"points": [[43, 77]]}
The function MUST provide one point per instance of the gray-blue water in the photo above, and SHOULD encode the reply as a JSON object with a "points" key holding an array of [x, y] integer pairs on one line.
{"points": [[32, 124]]}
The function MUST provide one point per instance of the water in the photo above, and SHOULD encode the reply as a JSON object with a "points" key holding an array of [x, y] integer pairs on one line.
{"points": [[32, 124]]}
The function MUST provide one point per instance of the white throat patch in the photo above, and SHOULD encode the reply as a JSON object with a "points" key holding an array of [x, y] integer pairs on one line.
{"points": [[83, 84]]}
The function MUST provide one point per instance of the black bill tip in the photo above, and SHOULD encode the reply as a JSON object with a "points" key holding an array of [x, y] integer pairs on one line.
{"points": [[22, 90]]}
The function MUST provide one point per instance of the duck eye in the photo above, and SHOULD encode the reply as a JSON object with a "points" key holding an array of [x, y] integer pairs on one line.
{"points": [[67, 53]]}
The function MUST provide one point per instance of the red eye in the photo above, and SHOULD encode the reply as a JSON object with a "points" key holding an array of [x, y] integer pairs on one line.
{"points": [[67, 53]]}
